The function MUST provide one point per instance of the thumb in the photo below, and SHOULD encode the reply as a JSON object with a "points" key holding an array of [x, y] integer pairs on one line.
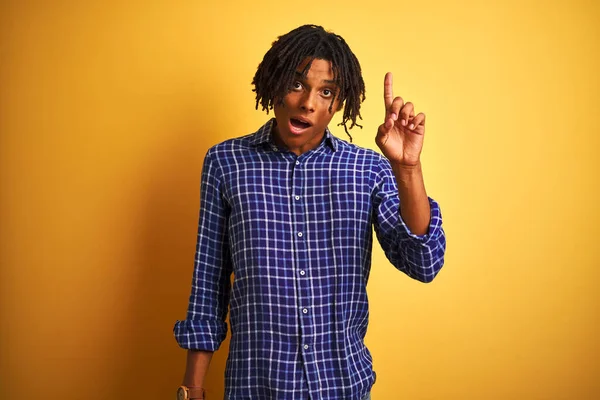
{"points": [[382, 134]]}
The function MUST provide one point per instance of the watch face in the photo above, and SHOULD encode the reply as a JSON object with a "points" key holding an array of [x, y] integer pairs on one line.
{"points": [[181, 394]]}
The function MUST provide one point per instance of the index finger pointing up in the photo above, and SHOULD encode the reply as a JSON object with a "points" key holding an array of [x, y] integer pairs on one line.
{"points": [[388, 90]]}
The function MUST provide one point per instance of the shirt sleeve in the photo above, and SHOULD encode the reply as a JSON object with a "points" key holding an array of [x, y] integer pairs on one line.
{"points": [[205, 327], [419, 256]]}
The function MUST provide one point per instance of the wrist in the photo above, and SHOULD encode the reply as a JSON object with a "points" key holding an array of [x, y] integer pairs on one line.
{"points": [[404, 166], [190, 393], [407, 173]]}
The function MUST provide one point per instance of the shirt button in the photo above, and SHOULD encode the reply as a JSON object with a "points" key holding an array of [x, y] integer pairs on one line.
{"points": [[297, 197], [304, 310], [299, 234], [305, 347], [297, 162], [302, 273]]}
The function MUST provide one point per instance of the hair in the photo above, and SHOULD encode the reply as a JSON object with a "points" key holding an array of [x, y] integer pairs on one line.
{"points": [[276, 73]]}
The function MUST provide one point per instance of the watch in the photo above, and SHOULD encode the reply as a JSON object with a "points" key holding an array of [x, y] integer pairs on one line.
{"points": [[190, 393]]}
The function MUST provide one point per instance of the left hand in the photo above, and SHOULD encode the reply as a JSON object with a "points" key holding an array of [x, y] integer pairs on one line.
{"points": [[400, 137]]}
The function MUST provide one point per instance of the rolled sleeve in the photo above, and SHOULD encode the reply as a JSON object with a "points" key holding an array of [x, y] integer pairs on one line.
{"points": [[205, 327], [419, 256]]}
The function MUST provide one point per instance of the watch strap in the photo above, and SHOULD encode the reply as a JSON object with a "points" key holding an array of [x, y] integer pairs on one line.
{"points": [[195, 393]]}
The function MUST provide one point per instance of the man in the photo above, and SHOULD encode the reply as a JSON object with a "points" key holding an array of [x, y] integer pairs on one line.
{"points": [[289, 210]]}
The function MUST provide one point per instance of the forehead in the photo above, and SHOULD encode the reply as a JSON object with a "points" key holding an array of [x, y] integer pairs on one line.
{"points": [[319, 68]]}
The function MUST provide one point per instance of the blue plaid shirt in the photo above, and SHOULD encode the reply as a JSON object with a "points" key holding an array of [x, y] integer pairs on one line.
{"points": [[296, 232]]}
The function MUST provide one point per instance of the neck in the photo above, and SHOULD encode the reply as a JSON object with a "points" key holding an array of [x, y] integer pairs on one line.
{"points": [[296, 148]]}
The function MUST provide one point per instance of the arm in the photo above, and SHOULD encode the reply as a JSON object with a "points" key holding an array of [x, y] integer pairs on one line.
{"points": [[417, 253], [414, 240], [204, 329], [415, 209], [196, 367]]}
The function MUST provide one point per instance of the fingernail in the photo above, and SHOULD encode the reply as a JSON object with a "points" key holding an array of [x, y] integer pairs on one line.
{"points": [[412, 126], [403, 122], [394, 116]]}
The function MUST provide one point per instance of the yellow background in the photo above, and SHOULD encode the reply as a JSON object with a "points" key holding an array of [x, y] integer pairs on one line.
{"points": [[107, 109]]}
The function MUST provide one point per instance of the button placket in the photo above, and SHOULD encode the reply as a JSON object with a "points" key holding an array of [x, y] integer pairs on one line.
{"points": [[304, 301]]}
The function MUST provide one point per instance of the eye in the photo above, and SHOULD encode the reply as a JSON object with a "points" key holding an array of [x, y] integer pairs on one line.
{"points": [[327, 93], [296, 86]]}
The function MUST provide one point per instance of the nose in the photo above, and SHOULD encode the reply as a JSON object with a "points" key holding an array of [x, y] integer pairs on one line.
{"points": [[308, 101]]}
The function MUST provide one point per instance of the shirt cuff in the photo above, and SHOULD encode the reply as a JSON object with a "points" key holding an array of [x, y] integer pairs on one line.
{"points": [[200, 334]]}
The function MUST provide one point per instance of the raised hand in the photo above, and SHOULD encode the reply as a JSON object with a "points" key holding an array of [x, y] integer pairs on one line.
{"points": [[400, 137]]}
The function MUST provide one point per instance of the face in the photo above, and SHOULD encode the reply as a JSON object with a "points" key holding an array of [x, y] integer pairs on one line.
{"points": [[304, 115]]}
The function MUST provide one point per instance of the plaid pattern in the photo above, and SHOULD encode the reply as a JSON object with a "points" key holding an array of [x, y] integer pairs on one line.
{"points": [[296, 231]]}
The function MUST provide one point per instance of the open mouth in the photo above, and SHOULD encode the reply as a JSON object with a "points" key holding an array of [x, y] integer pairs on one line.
{"points": [[298, 124]]}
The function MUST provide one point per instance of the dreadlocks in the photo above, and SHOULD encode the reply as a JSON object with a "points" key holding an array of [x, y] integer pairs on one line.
{"points": [[276, 73]]}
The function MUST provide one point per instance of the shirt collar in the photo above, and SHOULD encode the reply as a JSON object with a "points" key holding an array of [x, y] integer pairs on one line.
{"points": [[263, 135]]}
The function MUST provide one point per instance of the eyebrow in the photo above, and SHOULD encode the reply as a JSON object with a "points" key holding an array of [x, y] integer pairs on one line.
{"points": [[327, 81]]}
